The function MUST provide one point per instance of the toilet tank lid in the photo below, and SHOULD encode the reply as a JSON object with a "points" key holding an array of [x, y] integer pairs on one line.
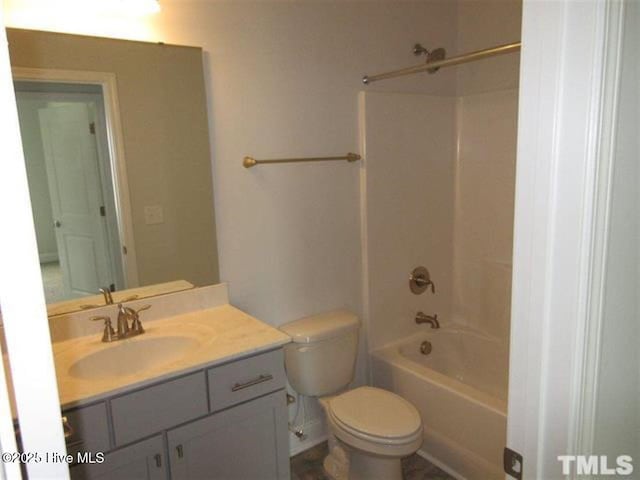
{"points": [[321, 327]]}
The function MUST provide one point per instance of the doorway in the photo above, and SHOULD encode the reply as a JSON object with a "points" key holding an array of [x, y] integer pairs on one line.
{"points": [[69, 168]]}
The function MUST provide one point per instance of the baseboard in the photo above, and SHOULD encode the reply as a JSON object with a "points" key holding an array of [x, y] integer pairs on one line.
{"points": [[315, 433], [440, 465], [49, 257]]}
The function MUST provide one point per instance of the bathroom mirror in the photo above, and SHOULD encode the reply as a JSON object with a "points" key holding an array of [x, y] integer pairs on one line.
{"points": [[115, 135]]}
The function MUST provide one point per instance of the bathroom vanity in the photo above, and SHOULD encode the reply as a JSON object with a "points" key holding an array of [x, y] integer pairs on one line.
{"points": [[201, 394]]}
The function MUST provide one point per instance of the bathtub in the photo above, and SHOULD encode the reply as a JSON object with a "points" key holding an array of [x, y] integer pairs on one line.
{"points": [[460, 389]]}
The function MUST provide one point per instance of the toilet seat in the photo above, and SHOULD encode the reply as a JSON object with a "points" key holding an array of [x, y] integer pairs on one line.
{"points": [[375, 420]]}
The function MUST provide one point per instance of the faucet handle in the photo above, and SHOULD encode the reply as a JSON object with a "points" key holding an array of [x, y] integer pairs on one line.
{"points": [[143, 308], [89, 307], [108, 334], [129, 299], [136, 325], [106, 293], [420, 281]]}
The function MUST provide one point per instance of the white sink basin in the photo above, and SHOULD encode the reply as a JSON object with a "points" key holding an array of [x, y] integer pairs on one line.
{"points": [[132, 356]]}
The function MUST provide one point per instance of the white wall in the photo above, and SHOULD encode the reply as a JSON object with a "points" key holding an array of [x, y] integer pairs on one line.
{"points": [[282, 80], [37, 175]]}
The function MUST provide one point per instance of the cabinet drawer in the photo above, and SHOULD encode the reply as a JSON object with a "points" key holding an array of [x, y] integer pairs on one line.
{"points": [[90, 431], [245, 379], [150, 410]]}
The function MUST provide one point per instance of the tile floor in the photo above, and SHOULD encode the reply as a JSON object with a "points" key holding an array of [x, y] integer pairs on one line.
{"points": [[52, 282], [308, 466]]}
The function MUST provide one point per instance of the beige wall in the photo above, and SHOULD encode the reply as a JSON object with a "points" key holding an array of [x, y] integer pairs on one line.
{"points": [[163, 110], [483, 24]]}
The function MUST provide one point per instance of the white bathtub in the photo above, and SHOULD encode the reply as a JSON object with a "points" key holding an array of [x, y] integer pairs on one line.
{"points": [[460, 389]]}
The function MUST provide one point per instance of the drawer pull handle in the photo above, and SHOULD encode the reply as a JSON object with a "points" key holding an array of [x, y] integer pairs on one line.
{"points": [[251, 383], [158, 459], [180, 451], [67, 428]]}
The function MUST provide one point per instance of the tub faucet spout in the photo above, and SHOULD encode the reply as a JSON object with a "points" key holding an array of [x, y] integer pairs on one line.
{"points": [[431, 320]]}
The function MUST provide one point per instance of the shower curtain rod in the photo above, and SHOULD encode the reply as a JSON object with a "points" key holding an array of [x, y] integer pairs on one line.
{"points": [[447, 62]]}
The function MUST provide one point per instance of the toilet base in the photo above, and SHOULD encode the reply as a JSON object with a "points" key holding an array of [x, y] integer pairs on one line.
{"points": [[348, 461], [349, 464], [369, 467], [336, 464]]}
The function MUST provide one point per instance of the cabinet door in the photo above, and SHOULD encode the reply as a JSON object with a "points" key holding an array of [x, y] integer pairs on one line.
{"points": [[141, 461], [247, 442]]}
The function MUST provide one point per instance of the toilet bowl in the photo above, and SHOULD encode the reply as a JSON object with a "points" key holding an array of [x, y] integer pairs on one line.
{"points": [[376, 428], [370, 429]]}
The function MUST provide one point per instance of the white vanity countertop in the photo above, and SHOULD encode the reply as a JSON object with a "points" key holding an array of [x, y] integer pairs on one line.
{"points": [[215, 335]]}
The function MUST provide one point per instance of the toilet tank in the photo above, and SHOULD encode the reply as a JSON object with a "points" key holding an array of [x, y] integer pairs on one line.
{"points": [[322, 356]]}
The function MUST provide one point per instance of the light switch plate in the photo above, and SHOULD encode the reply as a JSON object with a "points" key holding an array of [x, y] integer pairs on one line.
{"points": [[153, 214]]}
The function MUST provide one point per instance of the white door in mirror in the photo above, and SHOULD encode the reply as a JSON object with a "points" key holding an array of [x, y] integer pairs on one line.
{"points": [[73, 177]]}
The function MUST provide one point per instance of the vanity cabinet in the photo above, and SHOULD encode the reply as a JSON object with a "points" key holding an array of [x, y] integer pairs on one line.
{"points": [[144, 460], [244, 442], [222, 422]]}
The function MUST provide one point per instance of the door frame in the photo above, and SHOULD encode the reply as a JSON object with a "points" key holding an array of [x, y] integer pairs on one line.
{"points": [[108, 82], [562, 140], [24, 314]]}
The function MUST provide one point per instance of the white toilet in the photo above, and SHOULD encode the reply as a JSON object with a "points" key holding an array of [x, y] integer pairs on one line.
{"points": [[376, 427]]}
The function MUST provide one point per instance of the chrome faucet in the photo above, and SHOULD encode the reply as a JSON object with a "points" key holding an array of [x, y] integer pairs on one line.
{"points": [[123, 330], [106, 293], [123, 320], [108, 299], [431, 320], [124, 315]]}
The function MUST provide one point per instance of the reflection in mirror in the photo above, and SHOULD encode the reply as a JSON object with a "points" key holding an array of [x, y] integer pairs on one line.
{"points": [[116, 146], [64, 137]]}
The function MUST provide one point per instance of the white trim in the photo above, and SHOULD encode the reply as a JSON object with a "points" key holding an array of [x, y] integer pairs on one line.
{"points": [[558, 131], [108, 82], [364, 244], [23, 305], [7, 434], [588, 355], [445, 468]]}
